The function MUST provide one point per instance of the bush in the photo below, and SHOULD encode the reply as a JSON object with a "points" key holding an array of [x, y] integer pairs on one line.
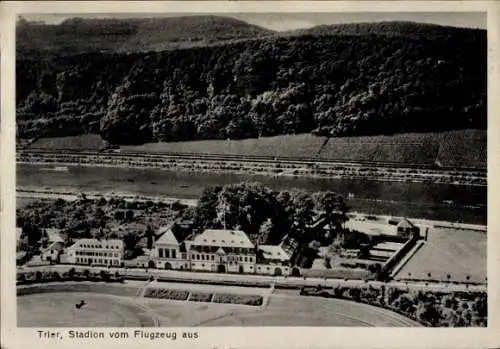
{"points": [[162, 293], [200, 297], [238, 299]]}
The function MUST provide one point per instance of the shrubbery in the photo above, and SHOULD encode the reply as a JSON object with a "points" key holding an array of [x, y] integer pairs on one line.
{"points": [[200, 297], [437, 309], [162, 293], [38, 276], [238, 299]]}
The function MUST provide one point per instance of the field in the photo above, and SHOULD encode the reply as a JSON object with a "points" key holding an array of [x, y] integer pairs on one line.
{"points": [[58, 310], [464, 148], [459, 253]]}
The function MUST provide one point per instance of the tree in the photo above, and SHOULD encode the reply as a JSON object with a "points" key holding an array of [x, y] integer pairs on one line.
{"points": [[130, 242], [427, 311], [245, 204], [129, 215], [150, 237], [333, 206], [206, 210], [33, 233]]}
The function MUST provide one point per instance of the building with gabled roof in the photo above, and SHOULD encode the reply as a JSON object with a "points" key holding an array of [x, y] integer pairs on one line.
{"points": [[169, 251], [407, 229], [96, 252], [222, 250]]}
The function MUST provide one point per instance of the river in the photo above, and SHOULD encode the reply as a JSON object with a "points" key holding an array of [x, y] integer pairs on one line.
{"points": [[464, 204]]}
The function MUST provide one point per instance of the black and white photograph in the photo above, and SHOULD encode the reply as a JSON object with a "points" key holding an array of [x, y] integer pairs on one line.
{"points": [[294, 169]]}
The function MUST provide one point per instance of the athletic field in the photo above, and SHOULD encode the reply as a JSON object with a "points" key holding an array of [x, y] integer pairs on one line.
{"points": [[57, 309], [449, 255]]}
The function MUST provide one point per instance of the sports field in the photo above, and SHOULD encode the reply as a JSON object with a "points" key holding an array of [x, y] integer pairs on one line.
{"points": [[461, 254], [58, 310]]}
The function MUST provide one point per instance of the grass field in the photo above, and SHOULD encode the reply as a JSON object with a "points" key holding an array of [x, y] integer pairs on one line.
{"points": [[464, 148], [459, 253], [58, 310]]}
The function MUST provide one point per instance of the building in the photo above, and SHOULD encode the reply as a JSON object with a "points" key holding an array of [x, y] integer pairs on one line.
{"points": [[407, 229], [54, 248], [220, 250], [273, 260], [96, 252], [169, 251]]}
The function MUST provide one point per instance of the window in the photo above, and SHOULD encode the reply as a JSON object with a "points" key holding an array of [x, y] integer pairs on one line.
{"points": [[183, 255], [173, 254], [246, 259], [202, 257], [213, 257], [198, 257], [203, 265], [160, 252], [167, 253]]}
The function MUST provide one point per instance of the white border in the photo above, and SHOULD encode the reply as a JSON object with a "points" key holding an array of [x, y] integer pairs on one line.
{"points": [[235, 337]]}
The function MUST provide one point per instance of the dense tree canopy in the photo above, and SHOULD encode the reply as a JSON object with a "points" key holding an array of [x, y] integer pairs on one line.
{"points": [[329, 82], [266, 216]]}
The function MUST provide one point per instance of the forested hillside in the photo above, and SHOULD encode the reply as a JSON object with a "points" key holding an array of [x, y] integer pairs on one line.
{"points": [[78, 35], [325, 80]]}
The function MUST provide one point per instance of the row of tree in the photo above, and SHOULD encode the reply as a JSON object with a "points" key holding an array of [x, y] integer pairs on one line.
{"points": [[327, 84]]}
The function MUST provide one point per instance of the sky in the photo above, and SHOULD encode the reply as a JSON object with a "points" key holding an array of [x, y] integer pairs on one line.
{"points": [[291, 21]]}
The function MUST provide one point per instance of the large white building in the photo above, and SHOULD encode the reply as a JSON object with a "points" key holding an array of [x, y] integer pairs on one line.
{"points": [[220, 250], [96, 252]]}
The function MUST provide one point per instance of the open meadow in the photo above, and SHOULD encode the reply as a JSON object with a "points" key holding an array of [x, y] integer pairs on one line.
{"points": [[449, 255]]}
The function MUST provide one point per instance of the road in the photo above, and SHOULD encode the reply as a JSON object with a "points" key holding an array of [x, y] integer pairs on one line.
{"points": [[262, 280]]}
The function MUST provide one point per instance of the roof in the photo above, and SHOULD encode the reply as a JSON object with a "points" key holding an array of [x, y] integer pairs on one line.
{"points": [[405, 223], [98, 243], [167, 237], [274, 252], [223, 238]]}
